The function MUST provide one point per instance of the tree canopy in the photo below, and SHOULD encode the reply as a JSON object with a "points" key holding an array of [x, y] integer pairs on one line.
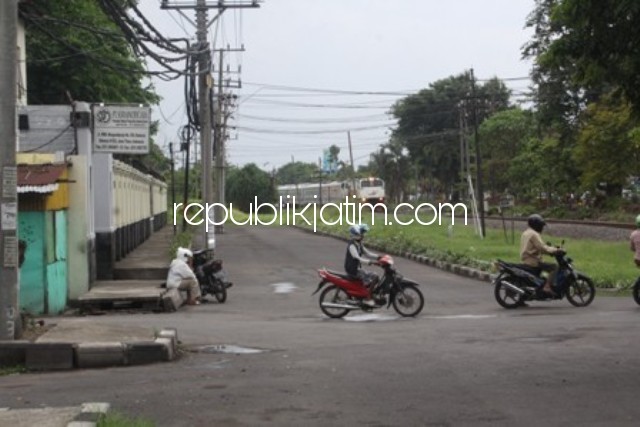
{"points": [[247, 184], [429, 122], [75, 51]]}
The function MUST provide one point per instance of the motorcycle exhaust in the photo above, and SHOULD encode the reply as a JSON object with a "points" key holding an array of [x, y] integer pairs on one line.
{"points": [[335, 305], [512, 287]]}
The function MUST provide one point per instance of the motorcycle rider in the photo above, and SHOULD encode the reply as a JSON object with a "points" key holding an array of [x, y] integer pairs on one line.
{"points": [[356, 255], [532, 248], [182, 277], [635, 242]]}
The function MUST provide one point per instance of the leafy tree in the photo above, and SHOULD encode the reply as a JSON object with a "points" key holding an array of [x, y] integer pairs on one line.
{"points": [[503, 136], [297, 172], [598, 43], [429, 122], [390, 164], [334, 152], [74, 49], [245, 184], [558, 100], [608, 147]]}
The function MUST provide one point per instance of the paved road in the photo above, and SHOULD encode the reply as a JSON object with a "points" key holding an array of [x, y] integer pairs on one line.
{"points": [[465, 361]]}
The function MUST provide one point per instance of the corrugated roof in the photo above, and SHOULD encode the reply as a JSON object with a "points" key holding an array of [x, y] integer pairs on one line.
{"points": [[43, 189], [39, 178]]}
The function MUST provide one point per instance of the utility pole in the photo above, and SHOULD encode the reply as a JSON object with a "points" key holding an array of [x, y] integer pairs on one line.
{"points": [[320, 178], [10, 325], [219, 146], [205, 82], [220, 133], [173, 184], [478, 158], [353, 169], [204, 107]]}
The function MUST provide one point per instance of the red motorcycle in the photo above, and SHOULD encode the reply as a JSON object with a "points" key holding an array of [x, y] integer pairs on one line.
{"points": [[346, 293]]}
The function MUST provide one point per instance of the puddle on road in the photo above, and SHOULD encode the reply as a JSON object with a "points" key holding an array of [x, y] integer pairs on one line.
{"points": [[370, 318], [284, 288], [228, 349]]}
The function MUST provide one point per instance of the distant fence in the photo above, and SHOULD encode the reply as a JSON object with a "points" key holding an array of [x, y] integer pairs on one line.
{"points": [[140, 207]]}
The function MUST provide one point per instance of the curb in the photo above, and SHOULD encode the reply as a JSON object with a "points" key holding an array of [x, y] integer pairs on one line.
{"points": [[458, 269], [45, 356]]}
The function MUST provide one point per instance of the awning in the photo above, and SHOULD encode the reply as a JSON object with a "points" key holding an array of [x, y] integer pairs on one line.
{"points": [[39, 178]]}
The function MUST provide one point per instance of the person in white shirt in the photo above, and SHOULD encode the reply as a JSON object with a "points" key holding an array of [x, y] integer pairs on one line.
{"points": [[182, 277]]}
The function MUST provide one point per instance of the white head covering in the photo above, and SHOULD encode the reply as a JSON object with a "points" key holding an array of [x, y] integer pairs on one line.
{"points": [[184, 254]]}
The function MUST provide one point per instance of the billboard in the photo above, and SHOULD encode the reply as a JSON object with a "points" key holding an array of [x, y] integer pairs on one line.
{"points": [[121, 129]]}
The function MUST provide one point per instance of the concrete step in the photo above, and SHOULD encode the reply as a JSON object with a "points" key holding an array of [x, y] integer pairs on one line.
{"points": [[114, 294]]}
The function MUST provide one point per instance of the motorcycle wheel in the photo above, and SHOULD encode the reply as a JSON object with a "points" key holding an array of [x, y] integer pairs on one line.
{"points": [[636, 291], [409, 301], [506, 297], [220, 292], [581, 291], [335, 295]]}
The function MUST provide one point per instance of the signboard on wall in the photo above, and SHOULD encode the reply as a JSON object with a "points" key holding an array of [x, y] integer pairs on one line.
{"points": [[121, 129]]}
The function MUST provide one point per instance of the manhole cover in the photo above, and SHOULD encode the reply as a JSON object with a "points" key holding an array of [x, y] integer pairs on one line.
{"points": [[229, 349]]}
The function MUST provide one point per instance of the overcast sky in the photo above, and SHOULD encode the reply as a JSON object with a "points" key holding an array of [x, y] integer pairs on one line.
{"points": [[386, 48]]}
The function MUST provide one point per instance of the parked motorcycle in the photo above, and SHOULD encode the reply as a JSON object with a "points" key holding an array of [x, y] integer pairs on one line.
{"points": [[515, 284], [346, 294], [636, 291], [211, 277]]}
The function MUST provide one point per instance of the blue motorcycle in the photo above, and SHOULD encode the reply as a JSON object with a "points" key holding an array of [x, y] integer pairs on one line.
{"points": [[516, 284]]}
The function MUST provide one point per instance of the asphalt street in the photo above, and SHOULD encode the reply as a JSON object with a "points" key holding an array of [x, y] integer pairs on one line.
{"points": [[463, 361]]}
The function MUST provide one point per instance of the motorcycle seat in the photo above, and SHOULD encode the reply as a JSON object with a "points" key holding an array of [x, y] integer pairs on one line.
{"points": [[524, 267], [201, 251], [342, 275]]}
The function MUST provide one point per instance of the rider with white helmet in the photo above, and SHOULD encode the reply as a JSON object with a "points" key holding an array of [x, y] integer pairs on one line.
{"points": [[357, 255]]}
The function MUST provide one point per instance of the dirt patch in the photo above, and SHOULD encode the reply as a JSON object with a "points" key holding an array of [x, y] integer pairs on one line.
{"points": [[33, 329]]}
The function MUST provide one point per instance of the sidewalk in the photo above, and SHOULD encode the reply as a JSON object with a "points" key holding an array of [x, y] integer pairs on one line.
{"points": [[83, 415], [138, 279]]}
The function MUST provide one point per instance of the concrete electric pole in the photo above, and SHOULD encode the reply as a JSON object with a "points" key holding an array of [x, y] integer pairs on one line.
{"points": [[480, 187], [205, 84], [10, 325]]}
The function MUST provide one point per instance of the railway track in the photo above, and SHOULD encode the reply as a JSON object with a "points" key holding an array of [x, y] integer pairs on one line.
{"points": [[596, 230], [618, 225]]}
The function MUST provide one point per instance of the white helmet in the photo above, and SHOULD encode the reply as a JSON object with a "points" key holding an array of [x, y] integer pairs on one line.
{"points": [[184, 254]]}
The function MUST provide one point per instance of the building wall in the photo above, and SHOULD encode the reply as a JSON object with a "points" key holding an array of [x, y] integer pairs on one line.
{"points": [[56, 224], [79, 238], [32, 273], [43, 276]]}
